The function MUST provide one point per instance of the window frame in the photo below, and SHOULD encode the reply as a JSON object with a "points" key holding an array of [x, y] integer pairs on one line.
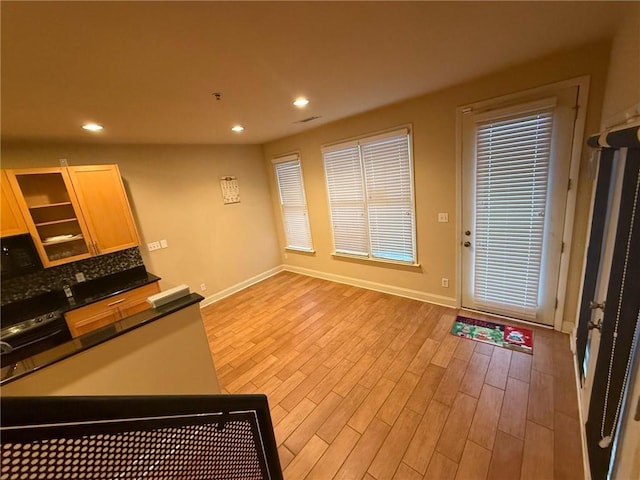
{"points": [[292, 158], [358, 142]]}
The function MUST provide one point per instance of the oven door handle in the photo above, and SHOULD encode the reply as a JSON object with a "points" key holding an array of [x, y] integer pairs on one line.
{"points": [[37, 340]]}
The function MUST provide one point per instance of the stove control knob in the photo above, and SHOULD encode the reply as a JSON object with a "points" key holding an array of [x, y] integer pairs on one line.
{"points": [[39, 320], [49, 315]]}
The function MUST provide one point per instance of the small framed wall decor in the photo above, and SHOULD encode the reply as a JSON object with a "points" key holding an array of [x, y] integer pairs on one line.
{"points": [[230, 190]]}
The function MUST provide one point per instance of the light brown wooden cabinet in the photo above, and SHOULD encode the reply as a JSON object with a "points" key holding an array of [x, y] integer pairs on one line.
{"points": [[105, 312], [74, 212], [105, 207], [11, 219]]}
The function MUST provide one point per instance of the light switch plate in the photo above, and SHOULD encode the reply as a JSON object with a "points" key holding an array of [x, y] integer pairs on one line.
{"points": [[443, 217], [164, 244], [153, 246]]}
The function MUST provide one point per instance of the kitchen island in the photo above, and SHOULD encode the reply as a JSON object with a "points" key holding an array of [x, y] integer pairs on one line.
{"points": [[161, 351]]}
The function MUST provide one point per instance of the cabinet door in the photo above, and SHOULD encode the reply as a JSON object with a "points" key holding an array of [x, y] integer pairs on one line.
{"points": [[136, 300], [12, 221], [90, 322], [104, 312], [105, 207], [52, 214]]}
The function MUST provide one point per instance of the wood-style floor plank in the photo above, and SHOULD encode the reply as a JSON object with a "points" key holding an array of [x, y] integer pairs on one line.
{"points": [[366, 385], [485, 420], [423, 444], [513, 416], [390, 455], [566, 448], [475, 462], [475, 374], [302, 464], [506, 460], [540, 409], [441, 468], [368, 409], [405, 472], [335, 455], [360, 458], [454, 434], [537, 459]]}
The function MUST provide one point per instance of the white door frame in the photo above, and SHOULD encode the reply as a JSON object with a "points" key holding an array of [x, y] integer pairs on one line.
{"points": [[582, 83]]}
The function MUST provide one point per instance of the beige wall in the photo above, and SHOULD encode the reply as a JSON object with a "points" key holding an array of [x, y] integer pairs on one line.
{"points": [[622, 95], [434, 140], [174, 192]]}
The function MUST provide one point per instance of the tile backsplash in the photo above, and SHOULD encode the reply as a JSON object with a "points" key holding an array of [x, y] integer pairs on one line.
{"points": [[54, 278]]}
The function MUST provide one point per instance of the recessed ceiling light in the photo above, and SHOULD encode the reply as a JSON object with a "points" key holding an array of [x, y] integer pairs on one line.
{"points": [[237, 128], [300, 102], [92, 127]]}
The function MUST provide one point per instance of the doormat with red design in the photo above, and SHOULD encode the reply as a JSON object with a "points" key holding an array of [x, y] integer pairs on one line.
{"points": [[506, 336]]}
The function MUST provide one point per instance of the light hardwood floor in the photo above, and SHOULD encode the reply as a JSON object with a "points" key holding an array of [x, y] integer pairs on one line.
{"points": [[367, 385]]}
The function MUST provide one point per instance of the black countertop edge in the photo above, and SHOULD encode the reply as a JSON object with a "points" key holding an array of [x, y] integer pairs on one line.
{"points": [[12, 372]]}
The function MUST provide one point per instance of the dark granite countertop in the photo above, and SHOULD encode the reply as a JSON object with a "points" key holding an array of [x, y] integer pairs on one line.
{"points": [[29, 365], [85, 293]]}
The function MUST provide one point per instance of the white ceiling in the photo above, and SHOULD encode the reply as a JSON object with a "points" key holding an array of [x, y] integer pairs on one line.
{"points": [[147, 70]]}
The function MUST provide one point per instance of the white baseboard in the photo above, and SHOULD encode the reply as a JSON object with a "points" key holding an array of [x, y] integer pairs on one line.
{"points": [[216, 297], [378, 287]]}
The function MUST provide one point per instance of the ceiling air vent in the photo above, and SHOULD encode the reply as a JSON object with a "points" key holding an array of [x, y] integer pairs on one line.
{"points": [[308, 119]]}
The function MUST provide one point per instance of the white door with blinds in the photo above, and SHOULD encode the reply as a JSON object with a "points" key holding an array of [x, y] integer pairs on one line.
{"points": [[516, 163]]}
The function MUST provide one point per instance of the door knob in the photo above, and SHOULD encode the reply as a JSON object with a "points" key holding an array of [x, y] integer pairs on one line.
{"points": [[467, 233], [467, 244]]}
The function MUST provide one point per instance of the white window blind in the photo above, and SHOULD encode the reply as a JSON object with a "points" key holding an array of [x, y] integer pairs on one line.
{"points": [[293, 203], [512, 173], [370, 185]]}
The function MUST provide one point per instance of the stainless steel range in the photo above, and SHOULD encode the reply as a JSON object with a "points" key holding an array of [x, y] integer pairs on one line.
{"points": [[32, 326]]}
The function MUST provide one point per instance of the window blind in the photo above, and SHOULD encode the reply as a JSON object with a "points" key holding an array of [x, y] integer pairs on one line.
{"points": [[293, 203], [512, 173], [346, 198], [370, 186], [388, 184]]}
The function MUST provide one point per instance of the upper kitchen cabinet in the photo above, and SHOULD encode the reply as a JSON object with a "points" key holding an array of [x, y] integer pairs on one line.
{"points": [[12, 222], [52, 214], [105, 207], [74, 212]]}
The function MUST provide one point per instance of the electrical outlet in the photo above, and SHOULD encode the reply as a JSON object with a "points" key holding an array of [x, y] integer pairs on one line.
{"points": [[203, 287], [80, 277], [164, 244], [443, 217], [153, 246], [445, 282]]}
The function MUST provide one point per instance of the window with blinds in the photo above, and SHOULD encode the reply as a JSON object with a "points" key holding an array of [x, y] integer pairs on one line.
{"points": [[370, 186], [293, 203], [512, 174]]}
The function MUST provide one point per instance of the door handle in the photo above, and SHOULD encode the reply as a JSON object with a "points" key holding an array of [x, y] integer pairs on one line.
{"points": [[597, 326], [116, 302], [467, 244]]}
